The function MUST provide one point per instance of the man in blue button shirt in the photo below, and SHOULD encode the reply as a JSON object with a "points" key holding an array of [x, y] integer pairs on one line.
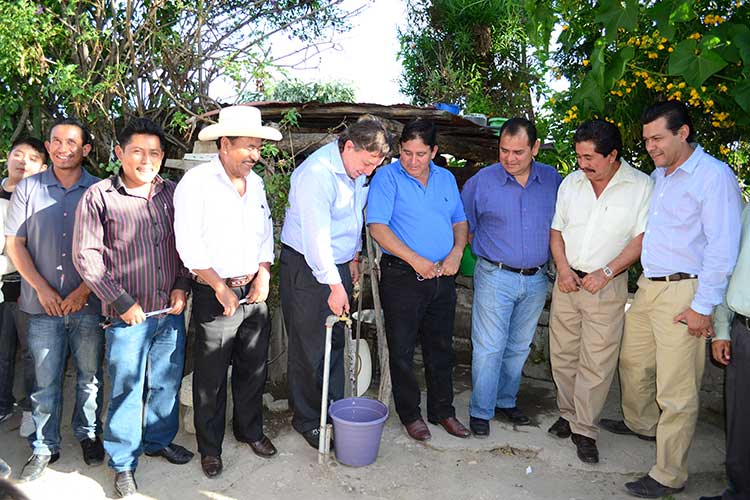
{"points": [[689, 250], [63, 315], [414, 212], [509, 206]]}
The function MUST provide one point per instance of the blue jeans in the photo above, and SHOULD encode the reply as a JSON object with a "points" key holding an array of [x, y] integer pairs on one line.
{"points": [[50, 340], [145, 369], [505, 314]]}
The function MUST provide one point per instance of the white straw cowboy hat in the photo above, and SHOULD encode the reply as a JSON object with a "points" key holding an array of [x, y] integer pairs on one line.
{"points": [[239, 121]]}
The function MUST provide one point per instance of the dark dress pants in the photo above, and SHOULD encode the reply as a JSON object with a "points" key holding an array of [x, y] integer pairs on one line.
{"points": [[738, 408], [304, 302], [419, 311], [242, 341], [13, 334]]}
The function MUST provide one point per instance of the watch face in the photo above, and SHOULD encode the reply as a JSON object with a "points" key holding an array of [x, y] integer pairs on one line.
{"points": [[607, 272]]}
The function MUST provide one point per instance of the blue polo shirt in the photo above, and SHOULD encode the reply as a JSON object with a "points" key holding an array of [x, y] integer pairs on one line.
{"points": [[422, 217]]}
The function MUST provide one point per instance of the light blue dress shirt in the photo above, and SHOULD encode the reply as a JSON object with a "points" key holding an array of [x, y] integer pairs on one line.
{"points": [[738, 291], [324, 218], [694, 226]]}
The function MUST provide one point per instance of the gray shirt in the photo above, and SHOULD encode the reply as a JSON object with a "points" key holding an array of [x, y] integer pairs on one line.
{"points": [[43, 212]]}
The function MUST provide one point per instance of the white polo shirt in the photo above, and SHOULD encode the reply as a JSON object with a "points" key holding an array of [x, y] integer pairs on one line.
{"points": [[596, 230]]}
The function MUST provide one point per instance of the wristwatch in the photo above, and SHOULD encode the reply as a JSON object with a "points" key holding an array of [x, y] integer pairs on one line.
{"points": [[608, 272]]}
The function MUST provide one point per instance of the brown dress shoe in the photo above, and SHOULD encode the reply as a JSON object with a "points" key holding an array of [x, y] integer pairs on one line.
{"points": [[212, 466], [453, 427], [418, 430], [264, 448]]}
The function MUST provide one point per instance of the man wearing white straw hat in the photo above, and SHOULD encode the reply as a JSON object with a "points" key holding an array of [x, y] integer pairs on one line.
{"points": [[224, 235]]}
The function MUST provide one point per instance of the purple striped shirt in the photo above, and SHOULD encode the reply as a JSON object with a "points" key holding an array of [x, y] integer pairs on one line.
{"points": [[124, 247]]}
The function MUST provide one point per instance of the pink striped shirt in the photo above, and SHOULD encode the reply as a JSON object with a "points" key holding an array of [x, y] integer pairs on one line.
{"points": [[124, 246]]}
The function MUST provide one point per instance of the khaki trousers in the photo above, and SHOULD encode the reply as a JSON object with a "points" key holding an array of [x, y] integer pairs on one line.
{"points": [[585, 333], [661, 367]]}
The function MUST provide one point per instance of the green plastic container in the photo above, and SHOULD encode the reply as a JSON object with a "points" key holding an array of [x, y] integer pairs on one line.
{"points": [[468, 262]]}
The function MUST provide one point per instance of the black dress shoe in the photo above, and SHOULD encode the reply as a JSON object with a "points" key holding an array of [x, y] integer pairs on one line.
{"points": [[717, 497], [212, 466], [93, 451], [125, 484], [480, 427], [514, 415], [35, 466], [313, 438], [561, 428], [174, 453], [264, 448], [619, 427], [648, 487], [586, 448]]}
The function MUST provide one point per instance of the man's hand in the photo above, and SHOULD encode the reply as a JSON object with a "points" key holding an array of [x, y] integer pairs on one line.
{"points": [[354, 268], [425, 268], [227, 298], [177, 301], [722, 351], [259, 288], [451, 263], [75, 301], [593, 282], [50, 300], [699, 325], [568, 281], [134, 315], [338, 300]]}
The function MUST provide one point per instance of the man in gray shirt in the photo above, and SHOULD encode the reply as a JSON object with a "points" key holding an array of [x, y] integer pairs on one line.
{"points": [[63, 315]]}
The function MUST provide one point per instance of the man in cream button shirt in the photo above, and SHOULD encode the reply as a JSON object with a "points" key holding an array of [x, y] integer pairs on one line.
{"points": [[596, 235]]}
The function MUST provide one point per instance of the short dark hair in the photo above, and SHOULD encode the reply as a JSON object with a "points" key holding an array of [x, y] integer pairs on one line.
{"points": [[368, 133], [85, 132], [34, 144], [10, 492], [605, 136], [140, 125], [674, 111], [515, 125], [422, 129]]}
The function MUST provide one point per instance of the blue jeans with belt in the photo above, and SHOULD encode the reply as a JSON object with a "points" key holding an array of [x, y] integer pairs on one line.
{"points": [[50, 340], [144, 363], [505, 314]]}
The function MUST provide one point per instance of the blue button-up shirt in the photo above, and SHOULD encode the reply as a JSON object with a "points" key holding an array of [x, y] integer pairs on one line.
{"points": [[510, 222], [420, 216], [694, 226], [43, 212], [324, 219]]}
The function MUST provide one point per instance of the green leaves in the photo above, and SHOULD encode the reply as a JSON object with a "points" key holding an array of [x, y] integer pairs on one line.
{"points": [[616, 14], [693, 64]]}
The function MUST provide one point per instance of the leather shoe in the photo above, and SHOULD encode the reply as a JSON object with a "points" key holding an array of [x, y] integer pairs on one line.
{"points": [[479, 427], [514, 415], [125, 484], [173, 453], [717, 497], [453, 427], [93, 451], [264, 448], [561, 428], [313, 438], [648, 487], [586, 448], [418, 430], [619, 427], [212, 466], [35, 466]]}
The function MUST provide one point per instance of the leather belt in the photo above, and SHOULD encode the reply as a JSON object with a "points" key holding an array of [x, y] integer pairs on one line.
{"points": [[580, 274], [529, 271], [675, 277], [743, 319], [236, 282], [393, 260]]}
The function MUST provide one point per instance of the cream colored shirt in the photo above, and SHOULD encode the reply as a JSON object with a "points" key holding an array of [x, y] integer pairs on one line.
{"points": [[596, 230]]}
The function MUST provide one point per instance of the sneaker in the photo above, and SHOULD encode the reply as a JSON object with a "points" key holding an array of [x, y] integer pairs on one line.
{"points": [[27, 425]]}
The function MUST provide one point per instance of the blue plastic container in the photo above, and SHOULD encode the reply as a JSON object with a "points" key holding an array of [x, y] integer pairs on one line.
{"points": [[357, 428], [451, 108]]}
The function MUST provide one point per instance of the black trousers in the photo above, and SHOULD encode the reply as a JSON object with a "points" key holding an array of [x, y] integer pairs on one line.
{"points": [[242, 341], [305, 304], [738, 408], [14, 334], [421, 311]]}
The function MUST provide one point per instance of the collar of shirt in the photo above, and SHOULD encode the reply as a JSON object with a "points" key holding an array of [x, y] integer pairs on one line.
{"points": [[331, 158], [624, 174], [85, 180], [690, 164], [533, 174], [118, 185], [433, 171]]}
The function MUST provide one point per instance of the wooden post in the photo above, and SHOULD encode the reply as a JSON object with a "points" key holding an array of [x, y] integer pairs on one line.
{"points": [[373, 269]]}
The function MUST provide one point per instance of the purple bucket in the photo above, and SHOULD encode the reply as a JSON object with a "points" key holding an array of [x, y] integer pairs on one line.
{"points": [[357, 428]]}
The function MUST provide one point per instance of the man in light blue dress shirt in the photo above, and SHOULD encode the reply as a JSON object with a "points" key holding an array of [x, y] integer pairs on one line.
{"points": [[689, 250], [321, 240]]}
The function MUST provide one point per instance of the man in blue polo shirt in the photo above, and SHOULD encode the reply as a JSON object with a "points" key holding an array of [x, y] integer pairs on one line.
{"points": [[509, 206], [415, 213]]}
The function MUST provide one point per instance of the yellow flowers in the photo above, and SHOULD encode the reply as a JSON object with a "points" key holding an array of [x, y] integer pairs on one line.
{"points": [[724, 150], [721, 120], [565, 27], [653, 55], [571, 114], [585, 62], [695, 36], [617, 92], [711, 19], [722, 88]]}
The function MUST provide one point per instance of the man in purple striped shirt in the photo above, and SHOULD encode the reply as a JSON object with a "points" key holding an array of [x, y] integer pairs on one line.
{"points": [[124, 249]]}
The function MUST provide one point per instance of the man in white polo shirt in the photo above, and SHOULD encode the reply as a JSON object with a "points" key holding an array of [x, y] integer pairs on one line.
{"points": [[596, 235]]}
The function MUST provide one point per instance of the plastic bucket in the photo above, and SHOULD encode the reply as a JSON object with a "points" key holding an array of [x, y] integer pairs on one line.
{"points": [[357, 428]]}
